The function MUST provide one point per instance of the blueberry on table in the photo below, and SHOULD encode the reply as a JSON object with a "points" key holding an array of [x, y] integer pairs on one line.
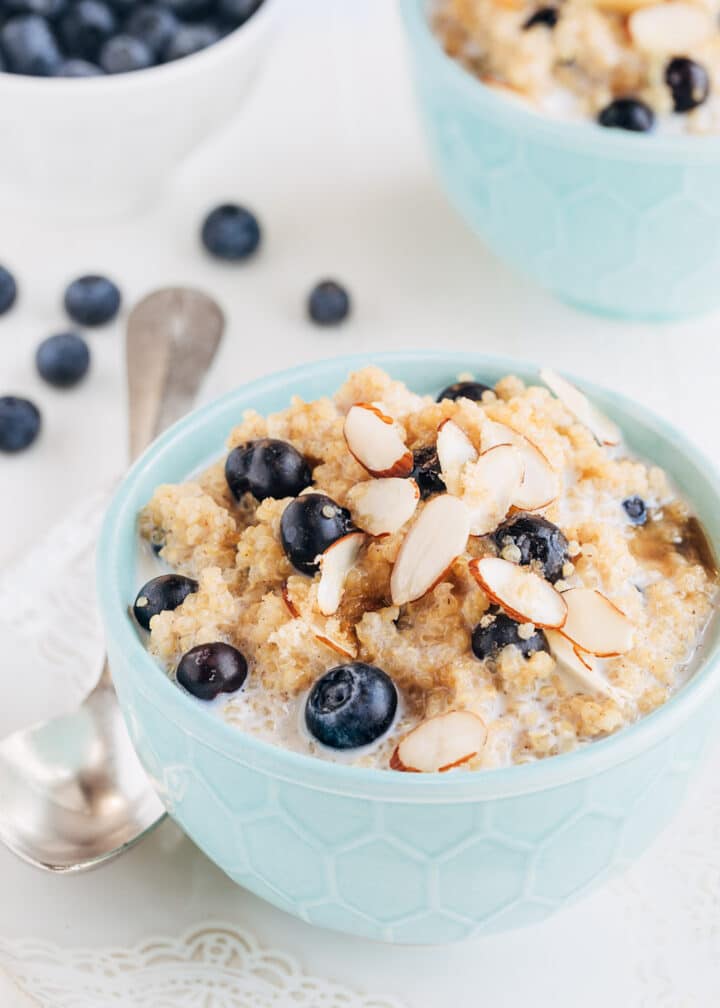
{"points": [[689, 83], [124, 54], [162, 593], [351, 705], [210, 669], [19, 423], [153, 24], [464, 390], [310, 524], [426, 471], [92, 300], [78, 68], [266, 468], [328, 303], [547, 16], [628, 114], [538, 540], [231, 232], [63, 360], [490, 637], [8, 290], [237, 12], [85, 27], [636, 510], [29, 46]]}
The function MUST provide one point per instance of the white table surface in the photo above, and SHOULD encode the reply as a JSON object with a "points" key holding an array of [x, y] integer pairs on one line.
{"points": [[329, 153]]}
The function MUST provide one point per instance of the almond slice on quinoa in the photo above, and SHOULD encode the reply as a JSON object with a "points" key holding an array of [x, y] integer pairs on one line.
{"points": [[577, 668], [671, 27], [335, 564], [490, 485], [382, 506], [375, 440], [440, 743], [344, 648], [540, 485], [601, 427], [436, 539], [595, 624], [454, 451], [520, 592]]}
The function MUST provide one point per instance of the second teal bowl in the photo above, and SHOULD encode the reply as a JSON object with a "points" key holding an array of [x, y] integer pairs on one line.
{"points": [[618, 223], [399, 857]]}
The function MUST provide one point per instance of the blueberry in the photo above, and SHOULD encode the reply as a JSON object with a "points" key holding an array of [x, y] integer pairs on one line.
{"points": [[231, 232], [78, 68], [237, 11], [8, 290], [189, 10], [162, 593], [628, 114], [688, 82], [426, 471], [538, 540], [154, 24], [63, 359], [85, 27], [124, 54], [310, 524], [488, 640], [547, 16], [209, 669], [189, 39], [266, 468], [92, 300], [19, 423], [29, 46], [45, 8], [351, 705], [328, 303], [464, 390], [636, 510]]}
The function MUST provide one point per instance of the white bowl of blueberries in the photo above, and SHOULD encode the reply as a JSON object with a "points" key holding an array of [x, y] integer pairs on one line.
{"points": [[100, 100]]}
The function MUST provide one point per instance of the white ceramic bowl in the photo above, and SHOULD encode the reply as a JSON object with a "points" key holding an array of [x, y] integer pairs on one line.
{"points": [[103, 145]]}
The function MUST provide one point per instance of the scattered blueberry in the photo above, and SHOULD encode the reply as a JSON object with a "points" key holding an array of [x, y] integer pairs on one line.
{"points": [[688, 82], [547, 16], [125, 53], [209, 669], [628, 114], [85, 27], [636, 510], [92, 300], [538, 540], [237, 11], [154, 24], [162, 593], [19, 423], [63, 359], [426, 471], [329, 303], [78, 68], [488, 640], [29, 46], [464, 390], [266, 468], [189, 39], [8, 290], [231, 232], [351, 705], [310, 524]]}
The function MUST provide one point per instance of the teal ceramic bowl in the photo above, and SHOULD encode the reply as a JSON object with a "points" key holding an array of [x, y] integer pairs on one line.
{"points": [[615, 222], [398, 857]]}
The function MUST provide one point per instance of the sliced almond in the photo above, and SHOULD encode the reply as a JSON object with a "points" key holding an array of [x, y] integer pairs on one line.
{"points": [[595, 624], [671, 27], [335, 564], [600, 426], [376, 442], [321, 633], [622, 6], [382, 506], [440, 743], [577, 668], [540, 485], [523, 594], [436, 539], [454, 451], [490, 485]]}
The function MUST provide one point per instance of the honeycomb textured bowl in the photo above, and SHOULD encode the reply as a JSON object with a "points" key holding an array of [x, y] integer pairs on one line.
{"points": [[619, 223], [399, 857]]}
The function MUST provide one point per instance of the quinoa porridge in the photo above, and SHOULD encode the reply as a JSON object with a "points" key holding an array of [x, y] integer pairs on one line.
{"points": [[404, 583], [629, 64]]}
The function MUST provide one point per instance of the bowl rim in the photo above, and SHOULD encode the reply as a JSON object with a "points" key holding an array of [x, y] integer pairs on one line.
{"points": [[244, 35], [520, 115], [210, 731]]}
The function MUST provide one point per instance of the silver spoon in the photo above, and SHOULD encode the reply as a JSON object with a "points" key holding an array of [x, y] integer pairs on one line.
{"points": [[72, 792]]}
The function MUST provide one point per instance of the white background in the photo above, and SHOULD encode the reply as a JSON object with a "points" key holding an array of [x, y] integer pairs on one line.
{"points": [[329, 153]]}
